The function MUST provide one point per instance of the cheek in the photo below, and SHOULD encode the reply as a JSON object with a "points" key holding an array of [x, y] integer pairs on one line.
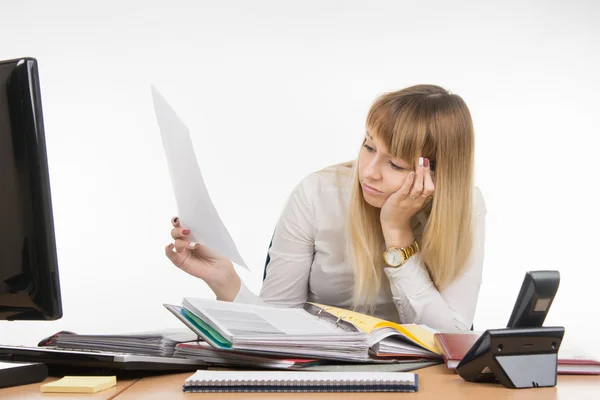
{"points": [[362, 161], [394, 181]]}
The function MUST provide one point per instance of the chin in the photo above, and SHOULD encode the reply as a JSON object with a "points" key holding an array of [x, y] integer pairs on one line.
{"points": [[377, 203]]}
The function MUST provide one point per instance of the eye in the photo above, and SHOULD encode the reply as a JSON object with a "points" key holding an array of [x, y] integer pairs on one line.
{"points": [[395, 167], [369, 148]]}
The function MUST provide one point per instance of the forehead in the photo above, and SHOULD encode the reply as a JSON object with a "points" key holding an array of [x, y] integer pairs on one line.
{"points": [[381, 146], [375, 139]]}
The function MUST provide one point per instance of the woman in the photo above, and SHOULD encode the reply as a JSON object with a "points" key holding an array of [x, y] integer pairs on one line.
{"points": [[398, 234]]}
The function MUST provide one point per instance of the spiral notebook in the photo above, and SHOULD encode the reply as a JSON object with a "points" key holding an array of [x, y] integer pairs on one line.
{"points": [[300, 381]]}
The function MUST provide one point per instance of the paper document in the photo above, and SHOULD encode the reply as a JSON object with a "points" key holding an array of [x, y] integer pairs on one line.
{"points": [[292, 332], [195, 208]]}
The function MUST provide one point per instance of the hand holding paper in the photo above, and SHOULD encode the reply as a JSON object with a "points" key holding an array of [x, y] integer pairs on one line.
{"points": [[194, 205]]}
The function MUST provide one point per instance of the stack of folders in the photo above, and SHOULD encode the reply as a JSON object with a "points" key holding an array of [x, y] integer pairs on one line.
{"points": [[313, 332], [226, 358], [300, 381], [271, 330], [154, 343]]}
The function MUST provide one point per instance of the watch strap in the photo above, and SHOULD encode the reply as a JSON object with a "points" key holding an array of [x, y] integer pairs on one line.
{"points": [[407, 252]]}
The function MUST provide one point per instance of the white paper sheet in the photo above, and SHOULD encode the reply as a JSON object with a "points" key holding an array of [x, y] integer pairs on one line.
{"points": [[195, 208], [9, 365]]}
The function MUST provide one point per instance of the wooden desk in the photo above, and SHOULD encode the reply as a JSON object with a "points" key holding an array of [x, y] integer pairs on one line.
{"points": [[33, 392], [435, 382]]}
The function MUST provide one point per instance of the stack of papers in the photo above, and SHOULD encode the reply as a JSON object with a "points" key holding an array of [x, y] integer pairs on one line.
{"points": [[291, 332], [228, 358], [393, 346], [315, 331], [159, 343]]}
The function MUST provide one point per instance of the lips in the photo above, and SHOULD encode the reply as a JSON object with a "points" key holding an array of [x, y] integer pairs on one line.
{"points": [[372, 188]]}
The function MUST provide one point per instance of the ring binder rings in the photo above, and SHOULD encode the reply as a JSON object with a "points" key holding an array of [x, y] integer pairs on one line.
{"points": [[297, 381], [337, 321]]}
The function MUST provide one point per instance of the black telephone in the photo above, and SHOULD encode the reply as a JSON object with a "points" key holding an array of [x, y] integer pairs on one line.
{"points": [[524, 354]]}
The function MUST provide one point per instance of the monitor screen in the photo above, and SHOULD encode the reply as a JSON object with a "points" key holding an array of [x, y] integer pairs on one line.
{"points": [[29, 281]]}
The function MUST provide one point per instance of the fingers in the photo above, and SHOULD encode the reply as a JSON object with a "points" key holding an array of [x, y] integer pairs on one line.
{"points": [[423, 185], [417, 187], [181, 246], [175, 257], [428, 186], [179, 251], [408, 182], [179, 233]]}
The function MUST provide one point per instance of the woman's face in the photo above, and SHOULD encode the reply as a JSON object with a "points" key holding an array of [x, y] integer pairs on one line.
{"points": [[379, 173]]}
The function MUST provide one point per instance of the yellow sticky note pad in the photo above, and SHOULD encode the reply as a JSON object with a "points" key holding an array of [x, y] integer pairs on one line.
{"points": [[80, 384]]}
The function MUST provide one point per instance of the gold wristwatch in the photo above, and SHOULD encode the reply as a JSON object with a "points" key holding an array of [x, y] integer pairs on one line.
{"points": [[395, 257]]}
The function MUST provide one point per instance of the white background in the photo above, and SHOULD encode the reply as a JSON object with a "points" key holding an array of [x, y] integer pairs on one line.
{"points": [[273, 91]]}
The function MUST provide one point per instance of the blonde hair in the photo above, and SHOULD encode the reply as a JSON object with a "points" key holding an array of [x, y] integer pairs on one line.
{"points": [[419, 121]]}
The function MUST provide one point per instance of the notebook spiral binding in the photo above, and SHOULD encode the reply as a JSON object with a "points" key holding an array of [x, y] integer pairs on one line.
{"points": [[296, 385]]}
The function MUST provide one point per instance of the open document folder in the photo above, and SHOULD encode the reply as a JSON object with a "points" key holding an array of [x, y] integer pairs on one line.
{"points": [[153, 343], [313, 331], [195, 208]]}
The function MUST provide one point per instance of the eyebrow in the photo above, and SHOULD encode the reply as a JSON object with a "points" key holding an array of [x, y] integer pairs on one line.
{"points": [[389, 155]]}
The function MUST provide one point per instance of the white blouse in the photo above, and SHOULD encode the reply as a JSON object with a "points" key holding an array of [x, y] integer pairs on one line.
{"points": [[309, 261]]}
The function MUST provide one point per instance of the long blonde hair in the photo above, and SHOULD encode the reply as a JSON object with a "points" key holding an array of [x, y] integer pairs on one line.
{"points": [[419, 121]]}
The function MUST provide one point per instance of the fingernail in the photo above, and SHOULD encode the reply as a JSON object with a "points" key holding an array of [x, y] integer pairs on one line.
{"points": [[420, 161], [192, 245], [411, 175], [175, 219], [426, 162], [186, 231]]}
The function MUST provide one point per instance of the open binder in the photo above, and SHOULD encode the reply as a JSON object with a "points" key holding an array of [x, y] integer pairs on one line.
{"points": [[385, 338], [314, 331]]}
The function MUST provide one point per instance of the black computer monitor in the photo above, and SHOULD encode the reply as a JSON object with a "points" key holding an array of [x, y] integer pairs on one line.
{"points": [[29, 281]]}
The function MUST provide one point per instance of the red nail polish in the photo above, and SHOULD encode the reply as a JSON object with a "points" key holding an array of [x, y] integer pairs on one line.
{"points": [[426, 162]]}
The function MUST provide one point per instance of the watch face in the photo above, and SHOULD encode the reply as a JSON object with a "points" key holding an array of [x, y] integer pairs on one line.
{"points": [[393, 257]]}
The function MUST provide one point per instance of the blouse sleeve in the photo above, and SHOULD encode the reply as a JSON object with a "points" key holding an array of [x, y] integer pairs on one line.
{"points": [[291, 255], [453, 308]]}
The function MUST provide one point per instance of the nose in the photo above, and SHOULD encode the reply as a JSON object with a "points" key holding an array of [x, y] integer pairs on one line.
{"points": [[372, 171]]}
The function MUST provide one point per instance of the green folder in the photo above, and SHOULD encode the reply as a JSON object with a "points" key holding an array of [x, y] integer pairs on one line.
{"points": [[206, 329], [198, 326]]}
